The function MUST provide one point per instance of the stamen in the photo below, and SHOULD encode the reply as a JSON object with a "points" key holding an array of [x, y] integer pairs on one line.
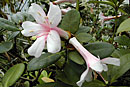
{"points": [[31, 31], [46, 17], [39, 13], [50, 22]]}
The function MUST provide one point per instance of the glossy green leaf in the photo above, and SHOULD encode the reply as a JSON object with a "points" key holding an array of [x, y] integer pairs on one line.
{"points": [[5, 46], [101, 49], [124, 26], [117, 71], [20, 17], [12, 75], [83, 37], [123, 40], [7, 25], [43, 61], [95, 83], [121, 52], [71, 73], [83, 29], [76, 57], [71, 21], [56, 84]]}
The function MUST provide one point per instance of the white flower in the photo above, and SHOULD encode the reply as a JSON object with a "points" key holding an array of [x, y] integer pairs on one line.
{"points": [[93, 63], [104, 18], [45, 29]]}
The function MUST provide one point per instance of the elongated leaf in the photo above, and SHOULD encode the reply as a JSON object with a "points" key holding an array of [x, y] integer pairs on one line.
{"points": [[43, 61], [5, 46], [71, 73], [5, 24], [116, 72], [83, 29], [56, 84], [124, 26], [101, 49], [95, 83], [121, 52], [71, 21], [123, 40], [20, 17], [103, 2], [12, 75], [76, 57], [84, 37]]}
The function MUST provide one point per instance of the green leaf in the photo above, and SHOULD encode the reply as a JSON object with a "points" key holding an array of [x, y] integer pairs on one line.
{"points": [[95, 83], [103, 2], [43, 61], [56, 84], [83, 37], [71, 21], [1, 84], [13, 34], [83, 29], [5, 46], [20, 17], [5, 24], [76, 57], [116, 71], [47, 85], [101, 49], [123, 40], [124, 26], [121, 52], [71, 73], [13, 74]]}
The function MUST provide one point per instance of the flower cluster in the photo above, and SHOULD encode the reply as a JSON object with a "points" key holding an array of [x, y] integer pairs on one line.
{"points": [[46, 31]]}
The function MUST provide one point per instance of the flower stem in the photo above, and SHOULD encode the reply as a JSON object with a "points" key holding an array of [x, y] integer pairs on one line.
{"points": [[77, 5], [116, 10]]}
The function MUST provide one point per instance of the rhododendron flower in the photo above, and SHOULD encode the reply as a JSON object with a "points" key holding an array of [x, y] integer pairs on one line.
{"points": [[45, 29], [104, 18], [93, 63], [62, 1]]}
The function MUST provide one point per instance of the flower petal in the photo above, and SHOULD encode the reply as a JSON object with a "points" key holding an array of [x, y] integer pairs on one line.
{"points": [[89, 76], [37, 47], [113, 61], [83, 77], [105, 68], [62, 33], [97, 66], [31, 29], [37, 12], [53, 42], [54, 15]]}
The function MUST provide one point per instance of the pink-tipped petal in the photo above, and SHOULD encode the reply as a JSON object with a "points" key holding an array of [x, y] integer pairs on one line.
{"points": [[62, 33], [37, 12], [113, 61], [105, 68], [53, 42], [37, 47], [54, 15], [89, 76], [83, 77], [97, 66], [31, 29]]}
